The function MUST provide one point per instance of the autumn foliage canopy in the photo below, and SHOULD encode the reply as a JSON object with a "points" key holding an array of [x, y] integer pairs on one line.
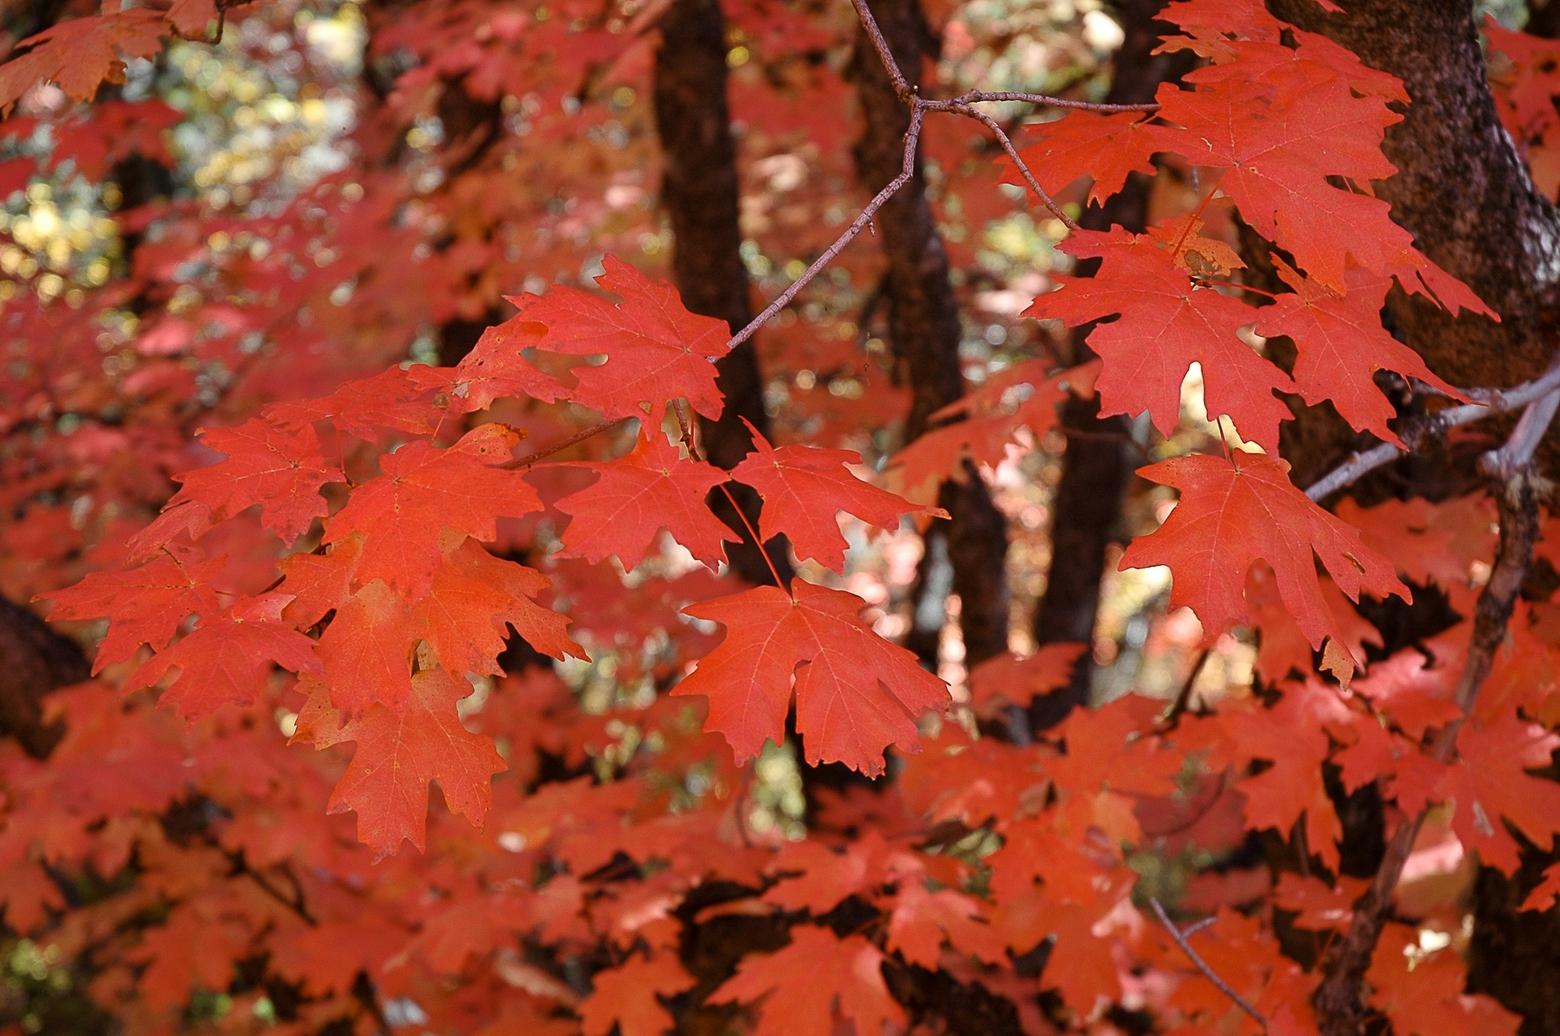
{"points": [[391, 452]]}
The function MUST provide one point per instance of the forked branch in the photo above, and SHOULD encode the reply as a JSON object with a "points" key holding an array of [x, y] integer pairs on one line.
{"points": [[1201, 965]]}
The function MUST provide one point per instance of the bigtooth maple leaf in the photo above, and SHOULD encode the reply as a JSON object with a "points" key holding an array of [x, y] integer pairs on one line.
{"points": [[804, 489], [398, 754], [1165, 324], [79, 54], [472, 597], [1340, 344], [855, 692], [280, 470], [228, 658], [651, 488], [494, 368], [1234, 513], [367, 650], [145, 605], [426, 493], [628, 996], [656, 351], [1279, 138], [812, 980], [1105, 148]]}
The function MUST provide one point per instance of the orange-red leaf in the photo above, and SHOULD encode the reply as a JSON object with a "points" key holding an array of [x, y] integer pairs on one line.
{"points": [[855, 692], [656, 351], [280, 470], [398, 755], [228, 659], [1165, 325], [812, 981], [628, 996], [426, 493], [804, 489], [1234, 514], [653, 487]]}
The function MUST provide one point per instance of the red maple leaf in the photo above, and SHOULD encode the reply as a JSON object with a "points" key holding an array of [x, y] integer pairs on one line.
{"points": [[79, 54], [1234, 514], [812, 980], [1340, 344], [279, 470], [145, 605], [1165, 325], [653, 487], [1489, 784], [855, 692], [1104, 148], [399, 753], [425, 494], [804, 489], [656, 351], [367, 650], [1010, 680], [228, 658], [628, 996], [473, 596], [494, 368]]}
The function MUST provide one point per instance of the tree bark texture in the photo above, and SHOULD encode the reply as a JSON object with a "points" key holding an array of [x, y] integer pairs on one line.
{"points": [[37, 660], [924, 331], [1461, 189], [1085, 517], [699, 188], [1465, 194]]}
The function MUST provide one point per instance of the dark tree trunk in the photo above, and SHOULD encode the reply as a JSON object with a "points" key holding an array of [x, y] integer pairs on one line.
{"points": [[1086, 514], [37, 660], [1461, 189], [1467, 197], [699, 187], [968, 554]]}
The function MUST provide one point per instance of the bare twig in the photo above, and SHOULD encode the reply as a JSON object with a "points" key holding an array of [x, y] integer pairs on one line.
{"points": [[979, 96], [1489, 402], [1202, 965], [1012, 152], [563, 444], [1183, 699], [919, 106]]}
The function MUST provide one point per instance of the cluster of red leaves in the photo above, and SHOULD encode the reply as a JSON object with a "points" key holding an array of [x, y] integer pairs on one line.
{"points": [[349, 562]]}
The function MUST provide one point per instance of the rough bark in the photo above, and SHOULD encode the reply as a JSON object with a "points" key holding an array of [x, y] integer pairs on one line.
{"points": [[37, 660], [924, 331], [1461, 189], [1086, 513], [1466, 196], [699, 188]]}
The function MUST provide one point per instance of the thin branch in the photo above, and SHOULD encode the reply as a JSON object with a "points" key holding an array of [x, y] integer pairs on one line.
{"points": [[981, 96], [1338, 997], [919, 106], [1202, 965], [857, 225], [885, 54], [1518, 452], [1012, 152], [1183, 699], [1489, 402], [573, 440]]}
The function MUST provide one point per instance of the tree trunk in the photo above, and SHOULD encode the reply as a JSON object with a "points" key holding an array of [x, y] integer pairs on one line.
{"points": [[1466, 196], [968, 554], [37, 660], [699, 187], [1087, 511]]}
